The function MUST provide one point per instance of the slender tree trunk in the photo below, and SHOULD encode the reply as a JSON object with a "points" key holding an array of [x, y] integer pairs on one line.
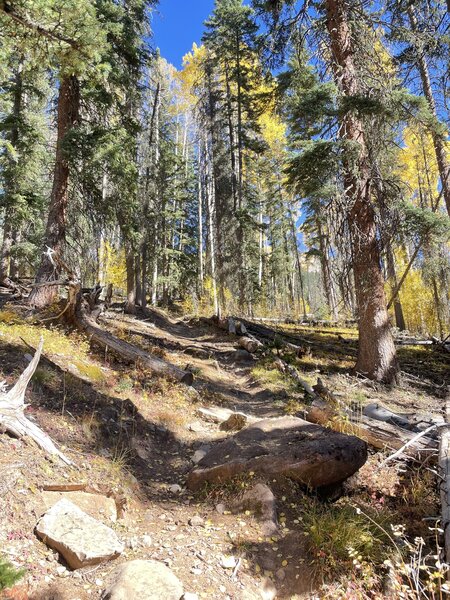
{"points": [[299, 265], [438, 141], [210, 192], [376, 351], [200, 219], [144, 276], [55, 232], [10, 183], [14, 261], [326, 273], [130, 304], [6, 251], [392, 274]]}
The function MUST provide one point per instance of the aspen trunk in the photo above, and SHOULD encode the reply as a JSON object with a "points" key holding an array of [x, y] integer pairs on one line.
{"points": [[438, 141], [55, 232]]}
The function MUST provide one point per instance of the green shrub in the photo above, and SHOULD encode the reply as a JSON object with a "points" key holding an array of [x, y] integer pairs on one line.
{"points": [[9, 575]]}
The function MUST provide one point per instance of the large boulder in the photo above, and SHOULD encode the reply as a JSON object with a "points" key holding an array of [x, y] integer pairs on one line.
{"points": [[143, 580], [284, 446], [79, 538]]}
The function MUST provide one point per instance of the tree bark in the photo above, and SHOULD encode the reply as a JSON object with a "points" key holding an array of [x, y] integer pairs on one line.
{"points": [[376, 351], [55, 232]]}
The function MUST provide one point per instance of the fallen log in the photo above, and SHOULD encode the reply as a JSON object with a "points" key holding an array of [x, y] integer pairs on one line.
{"points": [[81, 316], [284, 367], [12, 406], [250, 344], [379, 434]]}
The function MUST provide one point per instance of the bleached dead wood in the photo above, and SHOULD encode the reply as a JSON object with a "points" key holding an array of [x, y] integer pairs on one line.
{"points": [[12, 406], [379, 434], [444, 472]]}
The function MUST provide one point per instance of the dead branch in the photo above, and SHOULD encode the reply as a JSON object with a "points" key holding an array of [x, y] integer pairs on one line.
{"points": [[12, 405]]}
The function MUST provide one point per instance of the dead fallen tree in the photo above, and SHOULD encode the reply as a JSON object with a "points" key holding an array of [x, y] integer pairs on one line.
{"points": [[85, 319], [12, 406], [378, 430], [250, 344]]}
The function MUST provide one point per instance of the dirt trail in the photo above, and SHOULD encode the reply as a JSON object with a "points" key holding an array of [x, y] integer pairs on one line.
{"points": [[209, 352]]}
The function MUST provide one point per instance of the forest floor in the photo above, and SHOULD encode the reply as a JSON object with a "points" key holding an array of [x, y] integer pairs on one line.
{"points": [[133, 435]]}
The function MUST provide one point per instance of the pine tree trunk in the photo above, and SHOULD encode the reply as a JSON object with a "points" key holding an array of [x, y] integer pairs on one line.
{"points": [[376, 351], [55, 232]]}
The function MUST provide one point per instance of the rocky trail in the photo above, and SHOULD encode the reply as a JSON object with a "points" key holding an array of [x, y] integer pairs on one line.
{"points": [[135, 441]]}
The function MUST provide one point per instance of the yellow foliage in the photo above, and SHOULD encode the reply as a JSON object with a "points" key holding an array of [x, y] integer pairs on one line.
{"points": [[417, 300], [418, 165], [113, 266]]}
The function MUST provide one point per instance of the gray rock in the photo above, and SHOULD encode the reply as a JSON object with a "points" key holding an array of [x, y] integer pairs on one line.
{"points": [[260, 500], [284, 446], [143, 580], [200, 453], [221, 508], [196, 521], [175, 488], [242, 356], [79, 538]]}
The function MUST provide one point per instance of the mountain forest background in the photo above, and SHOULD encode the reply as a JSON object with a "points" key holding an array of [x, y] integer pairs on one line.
{"points": [[296, 167]]}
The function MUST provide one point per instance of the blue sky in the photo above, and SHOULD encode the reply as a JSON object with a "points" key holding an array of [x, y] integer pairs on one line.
{"points": [[177, 24]]}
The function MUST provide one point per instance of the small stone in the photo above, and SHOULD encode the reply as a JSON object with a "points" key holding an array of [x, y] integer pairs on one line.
{"points": [[175, 489], [196, 571], [132, 543], [61, 571], [200, 453], [222, 589], [196, 521], [189, 596], [146, 541], [221, 508], [280, 574], [228, 562]]}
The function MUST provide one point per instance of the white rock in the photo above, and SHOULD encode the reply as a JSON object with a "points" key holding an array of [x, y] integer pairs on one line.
{"points": [[143, 580], [189, 596], [79, 538], [228, 562], [175, 489]]}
